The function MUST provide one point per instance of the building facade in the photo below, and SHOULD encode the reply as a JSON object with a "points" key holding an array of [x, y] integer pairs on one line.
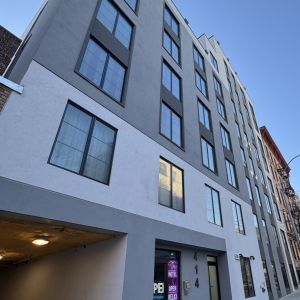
{"points": [[285, 201], [134, 155]]}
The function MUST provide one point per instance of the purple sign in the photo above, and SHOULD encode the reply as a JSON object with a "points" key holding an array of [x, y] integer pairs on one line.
{"points": [[173, 280]]}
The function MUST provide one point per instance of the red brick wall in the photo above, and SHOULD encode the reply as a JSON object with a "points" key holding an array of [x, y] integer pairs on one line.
{"points": [[8, 46], [4, 94]]}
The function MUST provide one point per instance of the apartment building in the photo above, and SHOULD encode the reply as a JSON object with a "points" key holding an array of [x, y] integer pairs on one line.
{"points": [[132, 164], [285, 203]]}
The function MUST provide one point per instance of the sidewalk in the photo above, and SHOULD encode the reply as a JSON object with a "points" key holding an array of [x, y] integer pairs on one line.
{"points": [[295, 296]]}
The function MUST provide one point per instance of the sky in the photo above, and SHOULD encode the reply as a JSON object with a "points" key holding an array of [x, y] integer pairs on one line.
{"points": [[262, 40]]}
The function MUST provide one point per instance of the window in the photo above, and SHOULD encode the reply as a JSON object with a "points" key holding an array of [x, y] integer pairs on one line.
{"points": [[251, 166], [257, 195], [199, 60], [247, 277], [271, 186], [275, 277], [261, 177], [103, 70], [171, 81], [267, 200], [230, 87], [243, 157], [256, 226], [208, 155], [231, 174], [237, 217], [265, 230], [84, 145], [132, 4], [252, 133], [115, 22], [170, 125], [218, 87], [213, 206], [277, 213], [250, 194], [221, 109], [171, 21], [238, 131], [267, 278], [234, 107], [171, 46], [256, 152], [204, 115], [275, 236], [214, 62], [226, 138], [201, 84], [171, 186]]}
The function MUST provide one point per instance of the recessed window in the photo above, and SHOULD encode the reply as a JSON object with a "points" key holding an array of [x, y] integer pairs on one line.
{"points": [[132, 4], [218, 87], [115, 22], [267, 200], [261, 177], [251, 166], [221, 109], [247, 277], [237, 217], [234, 107], [213, 206], [204, 115], [256, 227], [170, 125], [171, 81], [103, 70], [255, 152], [231, 174], [271, 187], [170, 186], [226, 138], [250, 194], [201, 84], [84, 145], [199, 60], [257, 195], [214, 62], [243, 156], [171, 21], [208, 155], [275, 236], [171, 47], [238, 131], [265, 230], [277, 212]]}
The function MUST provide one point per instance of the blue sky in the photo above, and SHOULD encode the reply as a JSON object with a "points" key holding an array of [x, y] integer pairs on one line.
{"points": [[262, 40]]}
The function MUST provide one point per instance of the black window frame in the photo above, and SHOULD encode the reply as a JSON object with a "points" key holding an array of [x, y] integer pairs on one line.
{"points": [[222, 104], [225, 136], [195, 50], [164, 62], [218, 83], [214, 62], [205, 84], [171, 50], [201, 104], [136, 6], [249, 288], [219, 205], [237, 207], [234, 173], [87, 145], [173, 18], [215, 170]]}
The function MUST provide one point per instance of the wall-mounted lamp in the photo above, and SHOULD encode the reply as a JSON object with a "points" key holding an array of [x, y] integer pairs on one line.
{"points": [[252, 258], [40, 242]]}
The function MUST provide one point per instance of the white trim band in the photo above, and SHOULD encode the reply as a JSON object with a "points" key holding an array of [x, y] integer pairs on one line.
{"points": [[13, 86]]}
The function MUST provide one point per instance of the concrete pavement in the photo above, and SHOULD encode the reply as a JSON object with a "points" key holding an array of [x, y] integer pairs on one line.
{"points": [[295, 296]]}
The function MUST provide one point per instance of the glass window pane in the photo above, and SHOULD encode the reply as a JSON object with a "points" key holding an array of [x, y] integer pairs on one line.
{"points": [[235, 217], [114, 79], [167, 17], [175, 86], [167, 42], [71, 140], [100, 153], [177, 189], [217, 210], [93, 62], [132, 3], [209, 205], [123, 31], [164, 183], [175, 52], [175, 27], [167, 77], [176, 129], [107, 15], [166, 121]]}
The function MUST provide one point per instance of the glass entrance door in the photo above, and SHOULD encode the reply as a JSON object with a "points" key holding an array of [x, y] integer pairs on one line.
{"points": [[213, 278]]}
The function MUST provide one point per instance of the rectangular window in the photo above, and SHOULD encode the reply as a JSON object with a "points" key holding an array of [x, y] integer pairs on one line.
{"points": [[275, 277], [267, 200], [132, 4], [115, 22], [221, 109], [214, 62], [201, 84], [261, 177], [170, 125], [267, 278], [265, 230], [238, 131], [250, 194], [251, 166], [237, 217], [247, 277], [243, 157], [171, 47], [231, 174], [208, 155], [226, 138], [204, 115], [257, 195], [213, 206], [234, 107], [230, 87], [271, 186], [171, 21], [103, 70], [171, 186], [277, 212], [275, 236], [171, 81], [256, 226], [256, 152], [84, 145], [218, 87], [199, 60]]}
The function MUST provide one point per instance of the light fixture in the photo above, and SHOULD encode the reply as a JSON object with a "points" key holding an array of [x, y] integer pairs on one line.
{"points": [[40, 242], [1, 256]]}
